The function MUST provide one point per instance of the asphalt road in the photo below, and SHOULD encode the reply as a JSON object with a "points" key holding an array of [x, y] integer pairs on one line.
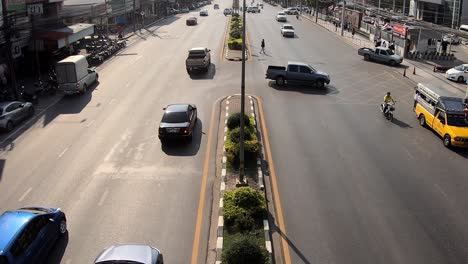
{"points": [[98, 157], [354, 187]]}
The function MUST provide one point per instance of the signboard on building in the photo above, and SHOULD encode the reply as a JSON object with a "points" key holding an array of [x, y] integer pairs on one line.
{"points": [[15, 5], [35, 9], [399, 30]]}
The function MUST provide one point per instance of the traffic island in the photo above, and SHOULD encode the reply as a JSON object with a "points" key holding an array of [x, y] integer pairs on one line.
{"points": [[233, 39], [242, 219]]}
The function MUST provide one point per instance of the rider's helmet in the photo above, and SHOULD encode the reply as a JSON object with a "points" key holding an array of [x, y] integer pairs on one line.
{"points": [[388, 93]]}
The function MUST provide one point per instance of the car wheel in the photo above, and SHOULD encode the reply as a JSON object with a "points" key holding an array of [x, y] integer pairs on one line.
{"points": [[31, 111], [320, 83], [422, 120], [9, 126], [62, 226], [447, 141], [461, 79], [85, 88], [392, 63], [188, 71], [367, 57], [280, 80]]}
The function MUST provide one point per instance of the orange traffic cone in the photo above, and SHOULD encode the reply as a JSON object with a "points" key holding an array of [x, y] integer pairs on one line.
{"points": [[404, 73], [414, 70]]}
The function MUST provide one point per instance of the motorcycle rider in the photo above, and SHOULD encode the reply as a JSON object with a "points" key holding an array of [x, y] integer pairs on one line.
{"points": [[387, 100]]}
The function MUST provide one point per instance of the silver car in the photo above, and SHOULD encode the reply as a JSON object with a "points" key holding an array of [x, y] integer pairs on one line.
{"points": [[130, 253], [14, 112]]}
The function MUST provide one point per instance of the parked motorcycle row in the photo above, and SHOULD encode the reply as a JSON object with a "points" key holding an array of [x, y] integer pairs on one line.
{"points": [[101, 48], [31, 94]]}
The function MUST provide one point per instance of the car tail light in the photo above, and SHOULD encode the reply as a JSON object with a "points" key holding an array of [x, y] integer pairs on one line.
{"points": [[77, 85], [186, 131], [161, 131]]}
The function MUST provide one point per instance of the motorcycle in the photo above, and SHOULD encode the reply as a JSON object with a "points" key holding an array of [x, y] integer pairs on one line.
{"points": [[389, 111]]}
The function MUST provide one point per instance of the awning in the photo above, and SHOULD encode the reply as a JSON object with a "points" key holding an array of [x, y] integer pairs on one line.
{"points": [[67, 35]]}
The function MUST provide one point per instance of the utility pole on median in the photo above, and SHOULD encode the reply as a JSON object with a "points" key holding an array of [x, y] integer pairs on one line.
{"points": [[7, 36], [342, 17], [242, 121], [133, 15]]}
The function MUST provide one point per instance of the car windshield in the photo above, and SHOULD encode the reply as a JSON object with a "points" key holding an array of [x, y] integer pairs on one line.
{"points": [[312, 68], [196, 54], [288, 27], [174, 117], [457, 120], [459, 68], [281, 14]]}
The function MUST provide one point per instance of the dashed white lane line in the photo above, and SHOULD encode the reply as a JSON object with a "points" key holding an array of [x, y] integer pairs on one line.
{"points": [[63, 152], [90, 123], [30, 120], [25, 194], [103, 198]]}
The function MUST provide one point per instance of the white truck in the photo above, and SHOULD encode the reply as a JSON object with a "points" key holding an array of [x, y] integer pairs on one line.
{"points": [[74, 75]]}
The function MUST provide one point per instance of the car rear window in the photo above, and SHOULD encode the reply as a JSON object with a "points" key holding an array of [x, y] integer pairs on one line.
{"points": [[174, 117], [196, 54]]}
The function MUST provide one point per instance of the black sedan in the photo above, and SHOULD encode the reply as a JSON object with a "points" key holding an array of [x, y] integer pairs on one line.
{"points": [[178, 122]]}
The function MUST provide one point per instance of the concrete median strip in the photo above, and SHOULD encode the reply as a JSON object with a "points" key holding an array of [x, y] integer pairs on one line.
{"points": [[222, 188]]}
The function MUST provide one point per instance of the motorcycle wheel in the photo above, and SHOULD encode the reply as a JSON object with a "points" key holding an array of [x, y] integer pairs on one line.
{"points": [[390, 117]]}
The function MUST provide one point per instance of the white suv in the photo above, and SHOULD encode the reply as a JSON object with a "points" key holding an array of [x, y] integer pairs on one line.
{"points": [[281, 17]]}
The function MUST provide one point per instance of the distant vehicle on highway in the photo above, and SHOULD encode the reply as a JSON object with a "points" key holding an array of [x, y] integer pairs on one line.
{"points": [[381, 54], [74, 75], [185, 10], [216, 6], [12, 113], [198, 59], [130, 253], [204, 12], [291, 11], [253, 9], [454, 39], [287, 30], [458, 73], [191, 21], [227, 11], [178, 122], [281, 17], [297, 72], [28, 234], [173, 11]]}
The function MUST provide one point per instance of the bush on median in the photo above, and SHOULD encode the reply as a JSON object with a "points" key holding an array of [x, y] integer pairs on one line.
{"points": [[243, 208], [251, 145], [235, 44], [245, 249], [234, 120]]}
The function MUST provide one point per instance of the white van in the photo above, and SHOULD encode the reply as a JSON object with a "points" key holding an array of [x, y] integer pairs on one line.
{"points": [[74, 75], [464, 28]]}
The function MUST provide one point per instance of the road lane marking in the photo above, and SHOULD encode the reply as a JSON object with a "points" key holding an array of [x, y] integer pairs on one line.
{"points": [[63, 152], [274, 183], [201, 201], [112, 101], [90, 123], [103, 197], [441, 191], [25, 194], [30, 120]]}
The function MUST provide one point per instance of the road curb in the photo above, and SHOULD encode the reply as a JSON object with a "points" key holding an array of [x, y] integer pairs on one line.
{"points": [[222, 188]]}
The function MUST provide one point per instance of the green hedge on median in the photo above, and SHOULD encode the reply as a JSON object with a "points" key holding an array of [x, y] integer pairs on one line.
{"points": [[244, 209], [235, 34], [245, 249]]}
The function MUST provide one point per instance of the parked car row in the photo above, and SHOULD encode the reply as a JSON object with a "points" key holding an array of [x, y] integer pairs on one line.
{"points": [[186, 9], [29, 234]]}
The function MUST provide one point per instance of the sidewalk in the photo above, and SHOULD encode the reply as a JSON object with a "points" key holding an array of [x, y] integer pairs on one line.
{"points": [[423, 69]]}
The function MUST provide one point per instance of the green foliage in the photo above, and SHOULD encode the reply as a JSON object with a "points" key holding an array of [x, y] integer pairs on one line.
{"points": [[245, 249], [234, 120], [235, 15], [242, 206], [235, 44], [235, 34], [251, 145]]}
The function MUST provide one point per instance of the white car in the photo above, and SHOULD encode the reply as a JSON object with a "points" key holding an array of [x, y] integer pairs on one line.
{"points": [[281, 17], [291, 11], [227, 11], [204, 12], [452, 38], [458, 73], [287, 30]]}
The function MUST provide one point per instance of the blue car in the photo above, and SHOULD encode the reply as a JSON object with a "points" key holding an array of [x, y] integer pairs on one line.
{"points": [[28, 234]]}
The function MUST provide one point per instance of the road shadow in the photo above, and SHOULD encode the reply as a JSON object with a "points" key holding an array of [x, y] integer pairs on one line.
{"points": [[2, 166], [400, 123], [180, 148], [275, 229], [209, 75], [311, 89], [460, 151], [70, 104], [56, 255]]}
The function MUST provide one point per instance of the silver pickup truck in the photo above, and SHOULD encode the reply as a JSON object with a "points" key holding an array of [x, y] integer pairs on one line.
{"points": [[380, 54], [198, 59], [297, 72]]}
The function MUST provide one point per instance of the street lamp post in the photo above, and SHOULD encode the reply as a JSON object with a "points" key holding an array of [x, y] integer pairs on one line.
{"points": [[242, 121], [342, 17]]}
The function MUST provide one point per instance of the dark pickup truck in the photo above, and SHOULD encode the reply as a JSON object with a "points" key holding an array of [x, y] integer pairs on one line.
{"points": [[297, 72]]}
